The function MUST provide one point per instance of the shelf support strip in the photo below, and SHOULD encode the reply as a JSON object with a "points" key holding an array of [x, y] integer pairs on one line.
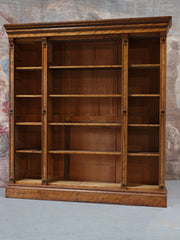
{"points": [[44, 112], [124, 110], [162, 114], [11, 111]]}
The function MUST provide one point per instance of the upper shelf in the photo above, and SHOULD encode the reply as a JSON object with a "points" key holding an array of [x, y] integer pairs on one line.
{"points": [[143, 95], [144, 65], [79, 29], [85, 95], [28, 68], [28, 96], [85, 67], [92, 67]]}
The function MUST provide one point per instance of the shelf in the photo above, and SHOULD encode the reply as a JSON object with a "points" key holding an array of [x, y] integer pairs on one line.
{"points": [[139, 186], [86, 67], [29, 181], [28, 68], [83, 152], [29, 123], [90, 185], [85, 95], [85, 124], [143, 125], [28, 151], [28, 96], [144, 65], [144, 95], [146, 154]]}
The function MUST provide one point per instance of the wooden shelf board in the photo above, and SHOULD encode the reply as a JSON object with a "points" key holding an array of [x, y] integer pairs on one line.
{"points": [[145, 154], [143, 125], [142, 186], [28, 96], [91, 185], [85, 67], [144, 65], [144, 95], [85, 124], [85, 95], [28, 151], [29, 181], [28, 123], [83, 152], [28, 68]]}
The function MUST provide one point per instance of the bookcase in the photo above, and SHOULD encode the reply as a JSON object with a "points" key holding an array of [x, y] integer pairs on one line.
{"points": [[87, 111]]}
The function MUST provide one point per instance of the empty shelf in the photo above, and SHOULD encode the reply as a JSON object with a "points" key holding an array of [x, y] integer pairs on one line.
{"points": [[85, 67], [28, 68], [28, 151], [148, 154], [90, 185], [144, 65], [83, 152], [29, 123], [143, 125], [29, 181], [85, 124], [85, 95], [143, 95], [141, 186], [29, 96]]}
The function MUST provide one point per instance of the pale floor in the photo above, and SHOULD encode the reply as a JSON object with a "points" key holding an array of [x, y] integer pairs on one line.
{"points": [[41, 220]]}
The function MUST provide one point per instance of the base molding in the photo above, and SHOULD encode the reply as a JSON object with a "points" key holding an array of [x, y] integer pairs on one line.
{"points": [[126, 197]]}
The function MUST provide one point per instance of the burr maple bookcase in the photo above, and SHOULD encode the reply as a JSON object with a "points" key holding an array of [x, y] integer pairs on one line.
{"points": [[87, 111]]}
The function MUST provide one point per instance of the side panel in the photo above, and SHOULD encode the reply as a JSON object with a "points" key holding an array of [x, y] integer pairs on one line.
{"points": [[124, 108], [44, 112], [162, 110], [11, 110]]}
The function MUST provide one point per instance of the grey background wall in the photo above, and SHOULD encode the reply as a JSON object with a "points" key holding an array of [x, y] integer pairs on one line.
{"points": [[21, 11]]}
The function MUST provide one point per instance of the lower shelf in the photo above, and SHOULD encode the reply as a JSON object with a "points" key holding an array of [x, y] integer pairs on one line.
{"points": [[29, 181], [141, 187], [125, 197], [86, 185]]}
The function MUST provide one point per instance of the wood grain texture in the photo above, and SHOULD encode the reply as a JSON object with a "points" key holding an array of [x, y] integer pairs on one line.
{"points": [[84, 34], [90, 27], [28, 123], [11, 110], [85, 95], [83, 152], [125, 197], [28, 68], [44, 113], [162, 110], [106, 22], [85, 67], [91, 133], [85, 124], [124, 111]]}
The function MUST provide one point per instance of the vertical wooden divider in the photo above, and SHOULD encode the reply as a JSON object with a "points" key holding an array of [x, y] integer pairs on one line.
{"points": [[162, 135], [67, 130], [11, 112], [44, 161], [124, 110]]}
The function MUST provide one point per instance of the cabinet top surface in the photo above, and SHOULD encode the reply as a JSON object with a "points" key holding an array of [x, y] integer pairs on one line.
{"points": [[114, 26]]}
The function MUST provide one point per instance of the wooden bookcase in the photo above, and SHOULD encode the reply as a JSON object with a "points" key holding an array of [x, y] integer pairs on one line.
{"points": [[87, 111]]}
